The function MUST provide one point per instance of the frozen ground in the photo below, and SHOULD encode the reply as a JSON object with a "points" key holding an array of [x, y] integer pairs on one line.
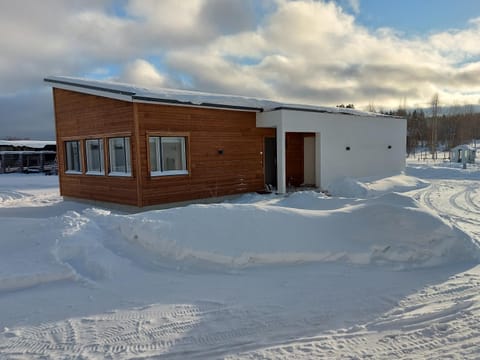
{"points": [[383, 269]]}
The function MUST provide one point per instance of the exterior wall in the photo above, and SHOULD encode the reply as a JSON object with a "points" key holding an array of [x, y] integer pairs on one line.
{"points": [[211, 174], [81, 116], [367, 137]]}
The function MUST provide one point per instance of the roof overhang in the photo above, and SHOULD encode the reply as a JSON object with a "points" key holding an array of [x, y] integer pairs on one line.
{"points": [[131, 96], [176, 97]]}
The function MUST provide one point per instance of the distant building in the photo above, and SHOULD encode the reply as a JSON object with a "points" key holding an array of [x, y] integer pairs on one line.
{"points": [[463, 154], [27, 156]]}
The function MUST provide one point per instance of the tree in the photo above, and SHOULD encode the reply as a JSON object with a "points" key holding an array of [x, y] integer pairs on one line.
{"points": [[434, 139]]}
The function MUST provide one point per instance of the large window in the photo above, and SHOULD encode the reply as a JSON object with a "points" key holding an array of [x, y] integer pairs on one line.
{"points": [[73, 161], [167, 155], [94, 156], [119, 151]]}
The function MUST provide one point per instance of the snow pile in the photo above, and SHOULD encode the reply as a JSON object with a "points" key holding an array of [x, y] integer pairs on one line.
{"points": [[348, 187], [391, 230], [7, 197], [25, 257], [370, 187]]}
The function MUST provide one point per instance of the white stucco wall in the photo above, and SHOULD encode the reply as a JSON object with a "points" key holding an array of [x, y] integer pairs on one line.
{"points": [[367, 136]]}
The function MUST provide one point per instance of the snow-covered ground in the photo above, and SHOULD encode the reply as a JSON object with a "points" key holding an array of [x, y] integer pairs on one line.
{"points": [[385, 268]]}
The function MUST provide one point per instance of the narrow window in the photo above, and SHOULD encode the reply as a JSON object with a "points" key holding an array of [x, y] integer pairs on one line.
{"points": [[119, 152], [73, 158], [167, 155], [94, 156]]}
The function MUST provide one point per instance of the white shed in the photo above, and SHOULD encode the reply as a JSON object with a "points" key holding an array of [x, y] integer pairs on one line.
{"points": [[463, 154]]}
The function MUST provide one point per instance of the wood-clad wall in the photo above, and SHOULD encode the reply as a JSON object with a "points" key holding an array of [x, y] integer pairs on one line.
{"points": [[239, 169], [80, 116]]}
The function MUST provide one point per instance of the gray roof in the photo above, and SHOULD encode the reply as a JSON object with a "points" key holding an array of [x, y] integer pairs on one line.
{"points": [[131, 92]]}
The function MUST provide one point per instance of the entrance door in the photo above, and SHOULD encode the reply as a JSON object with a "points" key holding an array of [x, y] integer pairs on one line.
{"points": [[309, 160], [270, 161]]}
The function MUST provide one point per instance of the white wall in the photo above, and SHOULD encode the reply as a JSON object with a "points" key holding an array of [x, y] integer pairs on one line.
{"points": [[367, 136]]}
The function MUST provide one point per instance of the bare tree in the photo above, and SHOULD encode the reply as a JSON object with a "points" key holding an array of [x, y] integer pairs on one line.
{"points": [[434, 103]]}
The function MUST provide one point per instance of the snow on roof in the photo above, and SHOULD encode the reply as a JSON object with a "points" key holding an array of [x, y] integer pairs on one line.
{"points": [[464, 147], [35, 144], [188, 97]]}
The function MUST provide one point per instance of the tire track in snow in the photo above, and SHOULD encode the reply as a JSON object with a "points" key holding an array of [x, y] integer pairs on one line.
{"points": [[440, 321], [456, 202], [155, 330]]}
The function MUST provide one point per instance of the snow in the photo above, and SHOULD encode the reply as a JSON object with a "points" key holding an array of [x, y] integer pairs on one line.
{"points": [[35, 144], [189, 97], [385, 268]]}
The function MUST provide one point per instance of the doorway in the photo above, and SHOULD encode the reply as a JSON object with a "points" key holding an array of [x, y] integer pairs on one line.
{"points": [[270, 162]]}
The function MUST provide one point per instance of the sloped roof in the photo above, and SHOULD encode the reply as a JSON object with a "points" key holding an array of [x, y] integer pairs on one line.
{"points": [[129, 92]]}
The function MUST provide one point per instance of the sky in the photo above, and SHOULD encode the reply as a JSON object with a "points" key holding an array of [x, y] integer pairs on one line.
{"points": [[366, 52]]}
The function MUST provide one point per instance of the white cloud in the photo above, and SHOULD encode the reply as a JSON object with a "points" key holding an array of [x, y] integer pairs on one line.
{"points": [[143, 73], [306, 51], [314, 52]]}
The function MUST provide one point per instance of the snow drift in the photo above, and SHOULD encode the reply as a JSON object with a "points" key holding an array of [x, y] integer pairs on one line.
{"points": [[390, 230]]}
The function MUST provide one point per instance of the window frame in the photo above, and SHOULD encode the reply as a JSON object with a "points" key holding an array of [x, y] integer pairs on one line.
{"points": [[127, 154], [101, 143], [185, 140], [68, 170]]}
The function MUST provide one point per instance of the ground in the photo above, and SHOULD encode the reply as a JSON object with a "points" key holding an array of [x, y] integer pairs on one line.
{"points": [[385, 268]]}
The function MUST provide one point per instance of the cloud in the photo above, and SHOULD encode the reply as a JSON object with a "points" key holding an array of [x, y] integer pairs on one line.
{"points": [[296, 51], [143, 73], [228, 17], [295, 57], [28, 115]]}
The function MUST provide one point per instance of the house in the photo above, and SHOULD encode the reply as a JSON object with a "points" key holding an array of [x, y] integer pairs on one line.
{"points": [[27, 156], [129, 145], [463, 154]]}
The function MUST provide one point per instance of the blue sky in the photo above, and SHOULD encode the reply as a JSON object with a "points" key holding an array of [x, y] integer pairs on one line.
{"points": [[417, 17], [366, 52]]}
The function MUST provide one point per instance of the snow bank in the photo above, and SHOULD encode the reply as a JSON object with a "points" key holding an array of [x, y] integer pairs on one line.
{"points": [[26, 259], [384, 228], [391, 230], [370, 187], [348, 187]]}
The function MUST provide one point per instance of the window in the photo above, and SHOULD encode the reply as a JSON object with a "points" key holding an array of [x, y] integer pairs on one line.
{"points": [[94, 156], [167, 155], [119, 152], [73, 158]]}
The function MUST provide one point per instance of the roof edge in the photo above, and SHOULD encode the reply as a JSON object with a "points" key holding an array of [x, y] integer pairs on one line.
{"points": [[189, 103], [88, 87]]}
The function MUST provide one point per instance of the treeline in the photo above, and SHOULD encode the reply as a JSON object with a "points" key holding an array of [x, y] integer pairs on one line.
{"points": [[440, 128]]}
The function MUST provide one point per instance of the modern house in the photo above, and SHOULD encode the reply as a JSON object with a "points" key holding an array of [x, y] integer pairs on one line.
{"points": [[27, 156], [129, 145]]}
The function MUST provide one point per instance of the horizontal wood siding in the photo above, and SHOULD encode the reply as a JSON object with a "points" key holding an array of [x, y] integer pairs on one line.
{"points": [[80, 116], [239, 169]]}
